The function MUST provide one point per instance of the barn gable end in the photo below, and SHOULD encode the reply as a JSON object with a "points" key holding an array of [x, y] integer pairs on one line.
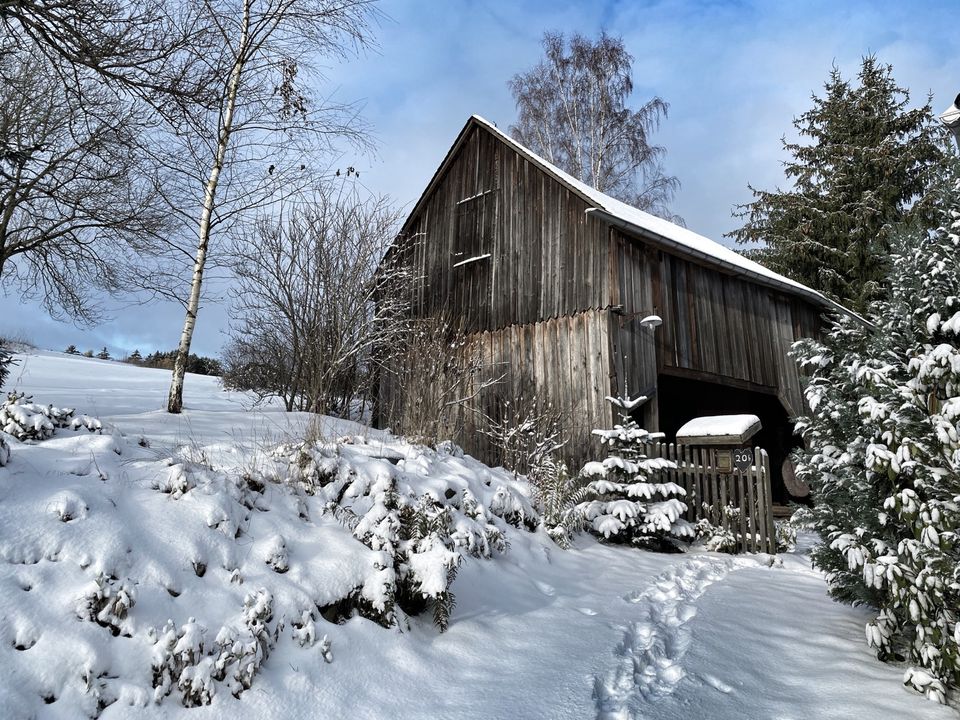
{"points": [[551, 280]]}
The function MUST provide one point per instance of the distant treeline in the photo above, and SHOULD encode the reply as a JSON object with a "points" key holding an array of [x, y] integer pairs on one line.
{"points": [[161, 359], [195, 363]]}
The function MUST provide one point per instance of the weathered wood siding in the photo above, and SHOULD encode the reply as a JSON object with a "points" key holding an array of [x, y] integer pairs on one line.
{"points": [[552, 298], [562, 363], [546, 257], [716, 326]]}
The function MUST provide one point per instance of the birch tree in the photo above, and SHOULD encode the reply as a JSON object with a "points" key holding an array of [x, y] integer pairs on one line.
{"points": [[266, 132], [572, 110]]}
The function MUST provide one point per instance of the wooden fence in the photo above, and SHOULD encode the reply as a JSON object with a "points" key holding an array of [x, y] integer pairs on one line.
{"points": [[740, 502]]}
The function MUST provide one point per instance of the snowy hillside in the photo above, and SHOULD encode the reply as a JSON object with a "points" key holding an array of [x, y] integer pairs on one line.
{"points": [[216, 558]]}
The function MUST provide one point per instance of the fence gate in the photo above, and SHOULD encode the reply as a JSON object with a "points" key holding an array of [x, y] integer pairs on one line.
{"points": [[738, 501]]}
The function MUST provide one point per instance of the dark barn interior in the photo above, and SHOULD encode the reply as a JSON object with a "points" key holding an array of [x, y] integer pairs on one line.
{"points": [[682, 399]]}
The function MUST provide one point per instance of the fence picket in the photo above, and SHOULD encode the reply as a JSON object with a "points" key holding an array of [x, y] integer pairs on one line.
{"points": [[743, 479], [708, 492]]}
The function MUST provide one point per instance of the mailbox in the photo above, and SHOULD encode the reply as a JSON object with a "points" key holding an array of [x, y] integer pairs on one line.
{"points": [[727, 435]]}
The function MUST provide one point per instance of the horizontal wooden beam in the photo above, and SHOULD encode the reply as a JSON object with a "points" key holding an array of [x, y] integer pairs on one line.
{"points": [[718, 379]]}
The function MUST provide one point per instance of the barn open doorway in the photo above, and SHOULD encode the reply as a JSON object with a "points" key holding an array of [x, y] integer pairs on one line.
{"points": [[681, 399]]}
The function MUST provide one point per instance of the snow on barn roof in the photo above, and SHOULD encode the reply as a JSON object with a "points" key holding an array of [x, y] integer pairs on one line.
{"points": [[657, 229]]}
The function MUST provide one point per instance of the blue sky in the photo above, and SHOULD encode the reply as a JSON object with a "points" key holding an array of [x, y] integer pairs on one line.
{"points": [[734, 73]]}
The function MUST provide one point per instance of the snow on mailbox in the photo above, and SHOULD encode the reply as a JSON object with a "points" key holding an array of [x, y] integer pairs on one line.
{"points": [[726, 433]]}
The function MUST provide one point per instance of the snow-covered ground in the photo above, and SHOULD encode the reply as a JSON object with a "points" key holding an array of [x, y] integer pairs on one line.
{"points": [[537, 632]]}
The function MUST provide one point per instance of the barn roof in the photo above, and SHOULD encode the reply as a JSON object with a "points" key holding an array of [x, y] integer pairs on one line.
{"points": [[639, 223]]}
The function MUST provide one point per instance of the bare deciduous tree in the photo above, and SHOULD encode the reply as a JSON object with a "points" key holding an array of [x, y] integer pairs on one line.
{"points": [[572, 110], [264, 118], [308, 329], [135, 47], [78, 198]]}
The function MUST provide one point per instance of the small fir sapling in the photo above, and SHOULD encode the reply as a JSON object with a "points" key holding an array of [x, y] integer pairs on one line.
{"points": [[104, 354], [6, 363], [628, 502], [26, 420]]}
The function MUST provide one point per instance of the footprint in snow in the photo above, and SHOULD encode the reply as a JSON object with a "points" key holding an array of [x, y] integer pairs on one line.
{"points": [[651, 654], [717, 684], [545, 588]]}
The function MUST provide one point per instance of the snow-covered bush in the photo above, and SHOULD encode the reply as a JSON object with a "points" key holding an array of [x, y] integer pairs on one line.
{"points": [[419, 538], [107, 602], [626, 502], [4, 451], [529, 440], [26, 420], [884, 458], [786, 535], [559, 494], [713, 533], [183, 660]]}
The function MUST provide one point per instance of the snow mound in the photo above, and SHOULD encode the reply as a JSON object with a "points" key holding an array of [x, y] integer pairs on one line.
{"points": [[128, 578]]}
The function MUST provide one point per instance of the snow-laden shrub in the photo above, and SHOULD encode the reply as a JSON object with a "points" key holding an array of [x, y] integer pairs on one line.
{"points": [[558, 494], [626, 502], [419, 538], [529, 439], [107, 602], [786, 535], [713, 533], [4, 451], [6, 362], [26, 420], [884, 458], [183, 660]]}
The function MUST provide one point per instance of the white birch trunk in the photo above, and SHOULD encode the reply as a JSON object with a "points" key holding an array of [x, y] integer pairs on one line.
{"points": [[175, 398]]}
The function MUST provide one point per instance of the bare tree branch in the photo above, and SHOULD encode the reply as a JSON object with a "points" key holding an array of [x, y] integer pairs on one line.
{"points": [[571, 109]]}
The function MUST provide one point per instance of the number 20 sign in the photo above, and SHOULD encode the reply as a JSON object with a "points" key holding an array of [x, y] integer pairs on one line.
{"points": [[743, 459]]}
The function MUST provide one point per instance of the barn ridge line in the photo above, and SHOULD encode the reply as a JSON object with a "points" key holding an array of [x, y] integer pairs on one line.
{"points": [[636, 222]]}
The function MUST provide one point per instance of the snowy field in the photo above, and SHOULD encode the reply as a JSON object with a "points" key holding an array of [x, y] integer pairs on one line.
{"points": [[536, 632]]}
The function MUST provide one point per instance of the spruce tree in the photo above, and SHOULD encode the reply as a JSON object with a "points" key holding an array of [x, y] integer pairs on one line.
{"points": [[6, 361], [72, 350], [104, 354], [135, 357], [863, 165], [883, 456], [628, 500]]}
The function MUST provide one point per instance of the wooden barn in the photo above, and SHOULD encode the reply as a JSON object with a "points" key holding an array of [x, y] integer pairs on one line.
{"points": [[552, 280]]}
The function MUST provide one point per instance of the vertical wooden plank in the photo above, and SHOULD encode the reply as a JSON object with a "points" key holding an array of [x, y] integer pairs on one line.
{"points": [[765, 506], [697, 482], [742, 480], [752, 509], [709, 495], [771, 529]]}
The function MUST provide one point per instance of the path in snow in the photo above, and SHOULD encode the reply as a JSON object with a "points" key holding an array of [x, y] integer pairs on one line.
{"points": [[651, 655], [758, 643]]}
